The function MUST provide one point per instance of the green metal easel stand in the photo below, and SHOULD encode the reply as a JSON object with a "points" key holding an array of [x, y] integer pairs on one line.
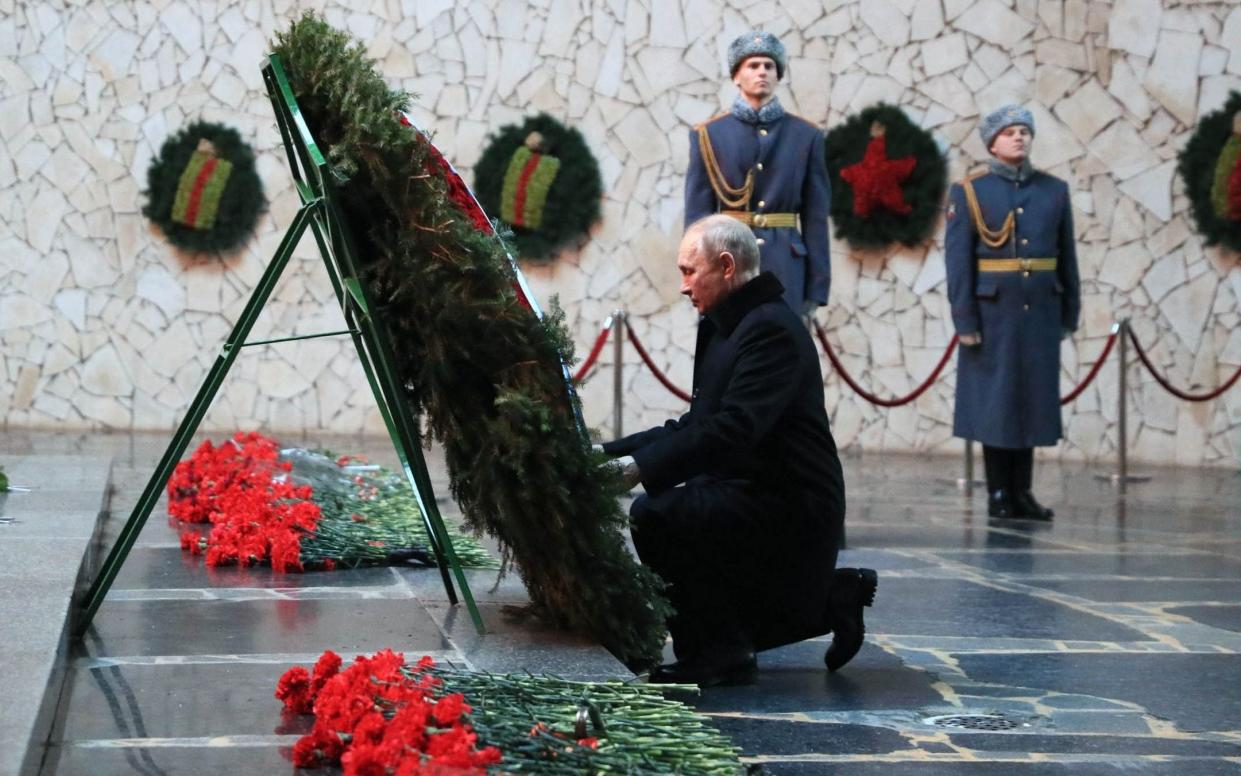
{"points": [[317, 185]]}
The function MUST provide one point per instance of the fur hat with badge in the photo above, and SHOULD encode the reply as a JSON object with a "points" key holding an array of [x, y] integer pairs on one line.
{"points": [[1003, 117], [756, 43]]}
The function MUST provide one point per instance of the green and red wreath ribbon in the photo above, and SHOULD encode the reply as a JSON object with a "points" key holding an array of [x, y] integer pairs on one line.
{"points": [[202, 184], [526, 184]]}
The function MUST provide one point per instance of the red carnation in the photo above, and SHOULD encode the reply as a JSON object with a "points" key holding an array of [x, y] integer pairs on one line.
{"points": [[294, 689], [450, 708]]}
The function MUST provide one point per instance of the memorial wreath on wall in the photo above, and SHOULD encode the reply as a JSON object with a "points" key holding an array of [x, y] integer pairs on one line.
{"points": [[475, 361], [888, 179], [541, 180], [1210, 166], [203, 191]]}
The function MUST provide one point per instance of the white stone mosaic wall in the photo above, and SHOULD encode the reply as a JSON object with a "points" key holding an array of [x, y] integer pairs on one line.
{"points": [[104, 326]]}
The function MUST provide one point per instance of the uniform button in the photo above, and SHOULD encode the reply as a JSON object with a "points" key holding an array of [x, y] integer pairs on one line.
{"points": [[762, 203], [1025, 307], [759, 166], [1026, 273], [761, 241], [763, 132], [1020, 210], [1024, 241]]}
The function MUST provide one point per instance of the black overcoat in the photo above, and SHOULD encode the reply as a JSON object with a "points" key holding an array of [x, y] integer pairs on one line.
{"points": [[1008, 388], [744, 494]]}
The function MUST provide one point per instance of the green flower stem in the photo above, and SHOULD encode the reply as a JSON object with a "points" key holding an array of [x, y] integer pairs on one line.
{"points": [[645, 731]]}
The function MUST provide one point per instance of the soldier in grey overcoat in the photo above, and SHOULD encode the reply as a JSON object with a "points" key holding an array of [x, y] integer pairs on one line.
{"points": [[1014, 290], [766, 168]]}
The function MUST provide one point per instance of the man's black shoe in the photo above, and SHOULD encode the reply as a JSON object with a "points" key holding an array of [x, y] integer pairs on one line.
{"points": [[1000, 505], [710, 670], [1026, 506], [849, 596]]}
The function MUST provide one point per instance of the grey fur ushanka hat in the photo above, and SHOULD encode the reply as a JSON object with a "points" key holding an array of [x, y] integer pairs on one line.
{"points": [[1004, 117], [756, 43]]}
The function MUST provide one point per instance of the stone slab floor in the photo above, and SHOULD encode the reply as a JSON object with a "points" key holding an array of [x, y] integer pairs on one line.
{"points": [[1104, 643]]}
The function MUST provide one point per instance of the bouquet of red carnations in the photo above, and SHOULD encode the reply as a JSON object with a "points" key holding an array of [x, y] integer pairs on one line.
{"points": [[299, 509], [374, 718], [383, 717]]}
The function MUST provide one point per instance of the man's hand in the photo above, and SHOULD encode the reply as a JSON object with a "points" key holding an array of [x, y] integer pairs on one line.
{"points": [[970, 340], [808, 308], [629, 470]]}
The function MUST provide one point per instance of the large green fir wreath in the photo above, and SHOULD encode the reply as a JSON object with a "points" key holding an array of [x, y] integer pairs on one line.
{"points": [[888, 179], [1210, 165], [540, 179], [202, 189], [475, 360]]}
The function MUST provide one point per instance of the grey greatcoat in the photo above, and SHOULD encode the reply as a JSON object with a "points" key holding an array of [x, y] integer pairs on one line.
{"points": [[1008, 388], [790, 176]]}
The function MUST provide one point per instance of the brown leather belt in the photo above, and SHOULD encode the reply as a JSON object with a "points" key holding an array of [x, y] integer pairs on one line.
{"points": [[763, 220], [1016, 265]]}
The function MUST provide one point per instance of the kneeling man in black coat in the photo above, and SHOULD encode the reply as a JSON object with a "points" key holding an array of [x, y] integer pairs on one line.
{"points": [[744, 499]]}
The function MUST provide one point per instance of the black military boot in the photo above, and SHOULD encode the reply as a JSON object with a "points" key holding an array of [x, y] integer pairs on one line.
{"points": [[852, 591], [1024, 503], [999, 504], [999, 493]]}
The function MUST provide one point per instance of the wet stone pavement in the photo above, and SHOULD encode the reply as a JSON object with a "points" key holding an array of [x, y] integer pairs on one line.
{"points": [[1103, 643]]}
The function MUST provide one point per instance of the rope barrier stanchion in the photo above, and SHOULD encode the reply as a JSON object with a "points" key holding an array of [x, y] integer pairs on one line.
{"points": [[1122, 477], [620, 319], [1095, 367], [1167, 386], [870, 397], [968, 482], [650, 363], [595, 350]]}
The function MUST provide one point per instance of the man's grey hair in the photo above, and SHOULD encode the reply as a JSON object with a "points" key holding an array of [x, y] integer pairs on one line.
{"points": [[720, 233]]}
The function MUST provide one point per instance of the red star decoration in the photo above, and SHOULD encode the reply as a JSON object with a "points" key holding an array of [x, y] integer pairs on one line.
{"points": [[876, 180]]}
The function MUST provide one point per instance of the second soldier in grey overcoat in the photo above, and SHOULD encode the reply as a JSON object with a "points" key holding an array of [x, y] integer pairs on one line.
{"points": [[1013, 286]]}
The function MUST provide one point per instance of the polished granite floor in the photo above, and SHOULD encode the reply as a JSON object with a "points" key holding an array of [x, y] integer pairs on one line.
{"points": [[1106, 642]]}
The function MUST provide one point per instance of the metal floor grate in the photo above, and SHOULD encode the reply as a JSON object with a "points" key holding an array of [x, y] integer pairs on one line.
{"points": [[973, 722]]}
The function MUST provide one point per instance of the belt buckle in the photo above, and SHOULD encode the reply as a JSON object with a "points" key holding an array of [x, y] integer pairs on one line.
{"points": [[759, 219], [1025, 264]]}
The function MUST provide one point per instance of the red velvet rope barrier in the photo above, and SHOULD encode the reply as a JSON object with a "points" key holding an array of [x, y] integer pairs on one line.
{"points": [[1094, 370], [646, 358], [870, 397], [1171, 388], [595, 350]]}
